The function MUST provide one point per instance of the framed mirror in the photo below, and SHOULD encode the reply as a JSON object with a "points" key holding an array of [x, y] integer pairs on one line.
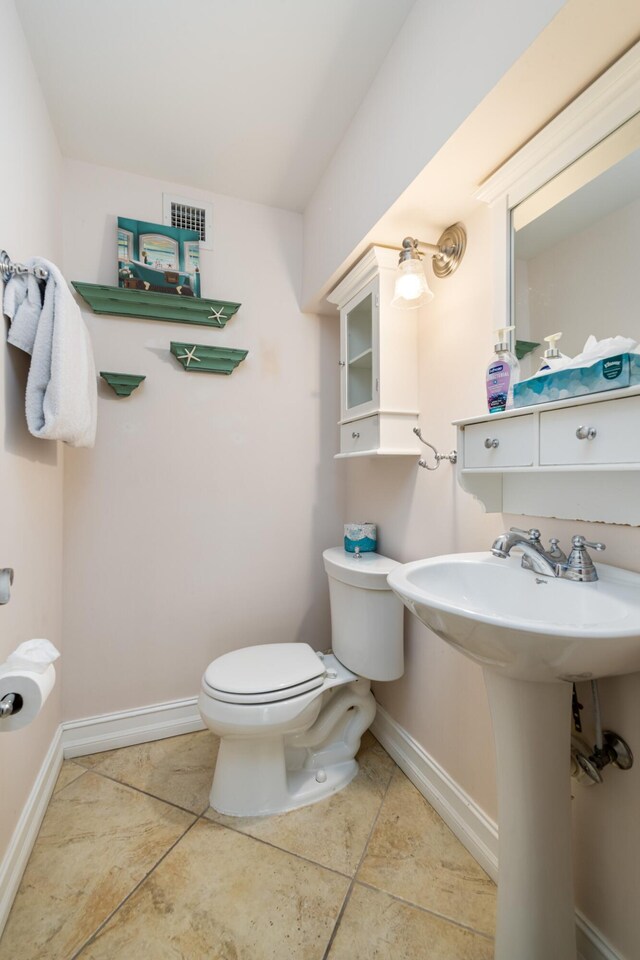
{"points": [[575, 264]]}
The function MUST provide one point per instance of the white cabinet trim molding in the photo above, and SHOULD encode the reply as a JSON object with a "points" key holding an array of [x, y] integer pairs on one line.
{"points": [[606, 104]]}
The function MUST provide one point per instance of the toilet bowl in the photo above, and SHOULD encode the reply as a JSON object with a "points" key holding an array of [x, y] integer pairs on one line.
{"points": [[290, 719]]}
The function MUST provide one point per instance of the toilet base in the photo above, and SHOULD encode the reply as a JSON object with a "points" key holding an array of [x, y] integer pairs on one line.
{"points": [[258, 775], [251, 779]]}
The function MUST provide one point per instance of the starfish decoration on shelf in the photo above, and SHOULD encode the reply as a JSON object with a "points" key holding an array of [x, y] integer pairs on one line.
{"points": [[190, 355], [218, 315]]}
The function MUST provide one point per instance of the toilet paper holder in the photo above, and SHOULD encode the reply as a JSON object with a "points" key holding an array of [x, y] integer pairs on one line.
{"points": [[10, 704], [6, 582]]}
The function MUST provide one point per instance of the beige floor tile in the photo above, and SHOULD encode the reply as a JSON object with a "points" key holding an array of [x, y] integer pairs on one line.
{"points": [[221, 896], [97, 841], [414, 855], [334, 831], [69, 772], [376, 927], [178, 769]]}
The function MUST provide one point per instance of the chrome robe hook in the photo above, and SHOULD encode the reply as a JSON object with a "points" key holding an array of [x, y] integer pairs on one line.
{"points": [[439, 457]]}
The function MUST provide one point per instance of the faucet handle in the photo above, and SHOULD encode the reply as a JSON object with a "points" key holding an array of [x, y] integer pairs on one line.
{"points": [[533, 535], [579, 542]]}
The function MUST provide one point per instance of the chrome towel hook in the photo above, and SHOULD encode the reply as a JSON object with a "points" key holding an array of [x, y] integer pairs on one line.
{"points": [[439, 457], [9, 269]]}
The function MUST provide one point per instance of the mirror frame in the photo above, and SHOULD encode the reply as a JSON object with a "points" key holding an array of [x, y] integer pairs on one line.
{"points": [[604, 106]]}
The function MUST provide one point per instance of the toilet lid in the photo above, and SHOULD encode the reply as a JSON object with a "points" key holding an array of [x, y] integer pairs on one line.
{"points": [[273, 671]]}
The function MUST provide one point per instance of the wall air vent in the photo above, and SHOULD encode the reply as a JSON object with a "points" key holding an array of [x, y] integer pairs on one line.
{"points": [[189, 215]]}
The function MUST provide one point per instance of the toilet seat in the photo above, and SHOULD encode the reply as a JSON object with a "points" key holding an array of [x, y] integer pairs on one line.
{"points": [[264, 674]]}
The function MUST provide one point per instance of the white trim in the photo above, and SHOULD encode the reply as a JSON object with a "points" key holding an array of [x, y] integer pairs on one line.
{"points": [[607, 103], [26, 830], [128, 727], [591, 943], [473, 828], [363, 272]]}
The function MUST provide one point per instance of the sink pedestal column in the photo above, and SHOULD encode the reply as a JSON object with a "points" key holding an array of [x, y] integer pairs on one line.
{"points": [[532, 730]]}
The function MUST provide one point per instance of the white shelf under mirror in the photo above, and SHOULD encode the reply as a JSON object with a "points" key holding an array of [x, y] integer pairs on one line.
{"points": [[532, 461]]}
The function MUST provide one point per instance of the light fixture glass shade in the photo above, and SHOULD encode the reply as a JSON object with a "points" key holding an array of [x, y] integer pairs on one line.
{"points": [[411, 288]]}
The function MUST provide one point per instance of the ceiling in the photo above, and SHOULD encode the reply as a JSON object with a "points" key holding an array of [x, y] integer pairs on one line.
{"points": [[248, 98]]}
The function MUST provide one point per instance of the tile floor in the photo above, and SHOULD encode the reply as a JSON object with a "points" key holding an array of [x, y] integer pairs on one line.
{"points": [[131, 862]]}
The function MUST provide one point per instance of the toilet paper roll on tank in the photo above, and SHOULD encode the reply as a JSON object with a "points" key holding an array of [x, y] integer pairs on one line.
{"points": [[28, 673], [360, 537]]}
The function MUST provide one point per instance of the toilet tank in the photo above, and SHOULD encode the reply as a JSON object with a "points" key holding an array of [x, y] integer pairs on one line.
{"points": [[366, 616]]}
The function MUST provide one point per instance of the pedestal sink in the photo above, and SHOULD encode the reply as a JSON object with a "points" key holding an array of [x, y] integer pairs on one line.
{"points": [[533, 636]]}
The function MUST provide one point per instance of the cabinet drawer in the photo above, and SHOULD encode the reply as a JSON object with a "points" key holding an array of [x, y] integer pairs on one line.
{"points": [[359, 435], [513, 441], [616, 440]]}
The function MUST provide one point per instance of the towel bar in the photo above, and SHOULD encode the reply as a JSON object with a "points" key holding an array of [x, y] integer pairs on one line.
{"points": [[8, 268]]}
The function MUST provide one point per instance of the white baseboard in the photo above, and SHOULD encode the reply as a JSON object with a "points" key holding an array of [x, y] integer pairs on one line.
{"points": [[26, 830], [128, 727], [473, 828]]}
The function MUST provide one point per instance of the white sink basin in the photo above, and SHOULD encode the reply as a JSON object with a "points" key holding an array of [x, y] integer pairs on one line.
{"points": [[522, 625]]}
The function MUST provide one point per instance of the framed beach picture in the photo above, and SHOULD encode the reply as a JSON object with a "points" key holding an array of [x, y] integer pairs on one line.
{"points": [[157, 257]]}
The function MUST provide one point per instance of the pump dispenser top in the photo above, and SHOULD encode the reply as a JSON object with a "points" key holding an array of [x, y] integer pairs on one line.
{"points": [[503, 339], [552, 357]]}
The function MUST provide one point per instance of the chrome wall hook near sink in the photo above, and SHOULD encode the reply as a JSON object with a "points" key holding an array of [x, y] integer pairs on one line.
{"points": [[439, 457]]}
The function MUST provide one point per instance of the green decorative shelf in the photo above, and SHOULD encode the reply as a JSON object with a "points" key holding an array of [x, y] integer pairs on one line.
{"points": [[127, 302], [523, 347], [205, 359], [122, 384]]}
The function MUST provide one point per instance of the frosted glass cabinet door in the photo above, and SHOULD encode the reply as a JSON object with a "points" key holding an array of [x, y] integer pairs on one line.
{"points": [[359, 349]]}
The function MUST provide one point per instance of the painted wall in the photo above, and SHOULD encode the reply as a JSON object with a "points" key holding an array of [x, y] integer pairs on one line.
{"points": [[441, 699], [445, 59], [197, 524], [30, 469]]}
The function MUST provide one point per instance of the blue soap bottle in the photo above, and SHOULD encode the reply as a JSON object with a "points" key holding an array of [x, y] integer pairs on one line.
{"points": [[502, 373]]}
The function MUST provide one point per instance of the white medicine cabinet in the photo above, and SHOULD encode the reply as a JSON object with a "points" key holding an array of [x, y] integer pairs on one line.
{"points": [[577, 458], [378, 361]]}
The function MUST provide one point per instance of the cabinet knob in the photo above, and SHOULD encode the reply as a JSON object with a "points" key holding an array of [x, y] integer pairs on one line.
{"points": [[491, 443], [586, 433], [355, 435], [341, 363]]}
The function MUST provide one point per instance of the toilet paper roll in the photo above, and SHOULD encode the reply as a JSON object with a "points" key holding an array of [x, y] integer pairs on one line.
{"points": [[33, 688], [360, 536]]}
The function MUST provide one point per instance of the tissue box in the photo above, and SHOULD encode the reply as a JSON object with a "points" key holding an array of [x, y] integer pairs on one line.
{"points": [[608, 374]]}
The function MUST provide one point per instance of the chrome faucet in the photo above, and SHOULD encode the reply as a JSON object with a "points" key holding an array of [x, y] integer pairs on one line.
{"points": [[578, 566], [534, 556]]}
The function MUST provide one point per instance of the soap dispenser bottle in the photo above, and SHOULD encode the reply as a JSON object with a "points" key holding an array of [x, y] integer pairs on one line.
{"points": [[502, 373], [552, 358]]}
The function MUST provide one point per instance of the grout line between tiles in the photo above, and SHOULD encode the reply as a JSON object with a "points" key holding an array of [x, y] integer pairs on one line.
{"points": [[432, 913], [145, 793], [352, 884], [274, 846], [98, 929]]}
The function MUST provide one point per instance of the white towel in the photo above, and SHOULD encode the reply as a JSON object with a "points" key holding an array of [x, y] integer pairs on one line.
{"points": [[62, 398]]}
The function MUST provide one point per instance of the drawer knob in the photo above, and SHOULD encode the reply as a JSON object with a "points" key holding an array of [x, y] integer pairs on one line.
{"points": [[355, 435], [586, 433], [491, 443]]}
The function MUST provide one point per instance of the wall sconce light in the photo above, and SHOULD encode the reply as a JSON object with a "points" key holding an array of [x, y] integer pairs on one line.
{"points": [[411, 287]]}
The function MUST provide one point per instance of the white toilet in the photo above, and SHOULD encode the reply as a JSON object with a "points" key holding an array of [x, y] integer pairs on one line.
{"points": [[290, 719]]}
